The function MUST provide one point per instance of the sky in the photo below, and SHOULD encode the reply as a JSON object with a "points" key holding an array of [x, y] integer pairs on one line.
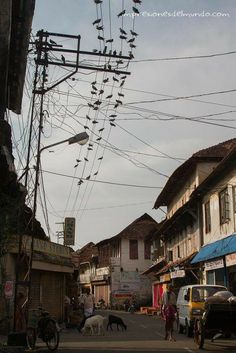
{"points": [[153, 134]]}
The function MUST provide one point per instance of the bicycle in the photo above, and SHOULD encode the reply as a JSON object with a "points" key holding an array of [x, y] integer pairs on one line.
{"points": [[42, 325]]}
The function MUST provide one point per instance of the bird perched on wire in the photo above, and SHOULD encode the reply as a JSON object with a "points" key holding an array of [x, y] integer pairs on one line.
{"points": [[118, 101], [99, 28], [101, 91], [123, 37], [135, 10], [100, 158], [100, 38], [63, 59], [97, 21], [78, 160], [122, 31], [105, 80], [137, 1], [88, 177], [98, 102], [123, 77], [133, 33], [104, 50], [52, 42], [121, 13], [109, 40], [87, 117], [92, 92], [94, 88], [122, 83], [110, 96], [95, 50], [100, 130], [113, 115], [86, 159], [116, 105], [132, 45], [131, 55], [98, 1], [90, 105], [115, 79], [95, 173], [121, 94], [94, 122], [99, 138], [86, 127], [131, 40], [93, 83], [112, 124], [114, 52]]}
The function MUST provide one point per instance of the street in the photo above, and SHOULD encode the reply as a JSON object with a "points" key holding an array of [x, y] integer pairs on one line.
{"points": [[144, 334]]}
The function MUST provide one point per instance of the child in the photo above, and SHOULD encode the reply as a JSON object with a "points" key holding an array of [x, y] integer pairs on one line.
{"points": [[170, 316]]}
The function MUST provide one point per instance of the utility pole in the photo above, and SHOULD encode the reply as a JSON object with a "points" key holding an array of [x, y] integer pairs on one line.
{"points": [[43, 46]]}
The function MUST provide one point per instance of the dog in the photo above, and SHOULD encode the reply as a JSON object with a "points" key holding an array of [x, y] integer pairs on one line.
{"points": [[112, 319], [94, 324]]}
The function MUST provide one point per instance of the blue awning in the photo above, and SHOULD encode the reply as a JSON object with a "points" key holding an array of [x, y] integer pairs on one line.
{"points": [[219, 248]]}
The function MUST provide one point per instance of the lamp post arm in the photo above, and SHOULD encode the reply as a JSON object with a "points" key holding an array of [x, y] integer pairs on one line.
{"points": [[52, 145]]}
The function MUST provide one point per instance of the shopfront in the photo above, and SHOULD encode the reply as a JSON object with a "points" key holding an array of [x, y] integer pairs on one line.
{"points": [[219, 262]]}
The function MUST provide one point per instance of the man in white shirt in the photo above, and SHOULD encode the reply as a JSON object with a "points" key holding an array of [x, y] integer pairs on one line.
{"points": [[88, 302]]}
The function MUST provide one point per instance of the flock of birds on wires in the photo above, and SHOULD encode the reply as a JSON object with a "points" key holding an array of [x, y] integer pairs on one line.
{"points": [[100, 111]]}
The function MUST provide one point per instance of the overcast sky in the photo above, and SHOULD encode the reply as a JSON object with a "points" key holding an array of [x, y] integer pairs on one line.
{"points": [[157, 139]]}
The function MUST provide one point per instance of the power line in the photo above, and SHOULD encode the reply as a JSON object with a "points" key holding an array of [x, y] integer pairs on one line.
{"points": [[183, 97], [103, 181], [186, 57]]}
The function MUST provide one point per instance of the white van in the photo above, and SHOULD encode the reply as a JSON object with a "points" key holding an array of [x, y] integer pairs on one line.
{"points": [[190, 304]]}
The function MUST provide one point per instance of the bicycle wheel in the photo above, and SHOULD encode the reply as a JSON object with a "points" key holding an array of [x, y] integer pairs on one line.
{"points": [[51, 335], [199, 333], [30, 338]]}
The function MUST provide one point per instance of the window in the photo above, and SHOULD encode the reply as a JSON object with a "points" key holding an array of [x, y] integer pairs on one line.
{"points": [[178, 251], [234, 198], [207, 217], [133, 249], [224, 206], [147, 250], [170, 255]]}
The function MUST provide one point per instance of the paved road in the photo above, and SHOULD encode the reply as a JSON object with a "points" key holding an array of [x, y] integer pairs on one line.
{"points": [[144, 334]]}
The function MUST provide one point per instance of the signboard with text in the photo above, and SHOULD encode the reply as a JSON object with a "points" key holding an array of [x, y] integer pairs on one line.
{"points": [[69, 231]]}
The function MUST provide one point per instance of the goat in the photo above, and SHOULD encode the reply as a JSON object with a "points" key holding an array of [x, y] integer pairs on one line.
{"points": [[112, 319]]}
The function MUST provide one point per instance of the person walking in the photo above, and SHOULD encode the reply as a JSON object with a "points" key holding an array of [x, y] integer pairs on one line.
{"points": [[168, 311], [87, 301]]}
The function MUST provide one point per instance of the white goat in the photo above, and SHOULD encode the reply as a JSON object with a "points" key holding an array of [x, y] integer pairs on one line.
{"points": [[94, 324]]}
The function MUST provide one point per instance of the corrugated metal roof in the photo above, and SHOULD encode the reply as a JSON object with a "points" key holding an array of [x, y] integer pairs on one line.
{"points": [[219, 248]]}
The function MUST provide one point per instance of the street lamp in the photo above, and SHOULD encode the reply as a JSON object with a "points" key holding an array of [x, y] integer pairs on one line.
{"points": [[81, 138]]}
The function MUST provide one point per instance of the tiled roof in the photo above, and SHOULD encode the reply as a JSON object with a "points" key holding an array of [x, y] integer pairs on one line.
{"points": [[87, 252], [212, 154], [141, 228], [180, 262]]}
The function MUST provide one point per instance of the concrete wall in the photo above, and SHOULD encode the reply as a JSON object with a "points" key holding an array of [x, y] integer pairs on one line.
{"points": [[182, 196]]}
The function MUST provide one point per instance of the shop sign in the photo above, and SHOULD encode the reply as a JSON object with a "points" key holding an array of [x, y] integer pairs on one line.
{"points": [[165, 278], [8, 289], [177, 274], [213, 265], [230, 259]]}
